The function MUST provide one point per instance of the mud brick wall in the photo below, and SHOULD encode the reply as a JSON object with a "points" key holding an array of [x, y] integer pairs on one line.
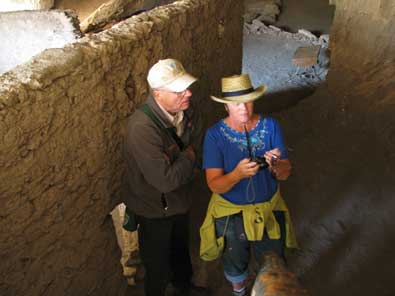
{"points": [[343, 140], [62, 117]]}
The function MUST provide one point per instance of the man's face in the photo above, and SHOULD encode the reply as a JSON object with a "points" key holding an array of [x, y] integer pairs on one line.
{"points": [[173, 102]]}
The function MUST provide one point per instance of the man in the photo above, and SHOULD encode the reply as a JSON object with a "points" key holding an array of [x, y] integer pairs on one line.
{"points": [[160, 163]]}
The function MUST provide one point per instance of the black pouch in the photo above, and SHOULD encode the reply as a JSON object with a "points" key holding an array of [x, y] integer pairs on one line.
{"points": [[129, 221]]}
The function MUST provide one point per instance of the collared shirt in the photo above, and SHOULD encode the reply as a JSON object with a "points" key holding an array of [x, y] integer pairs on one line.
{"points": [[176, 120]]}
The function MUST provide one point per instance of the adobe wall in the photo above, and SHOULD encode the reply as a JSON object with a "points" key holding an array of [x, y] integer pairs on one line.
{"points": [[343, 143], [27, 33], [61, 124], [12, 5]]}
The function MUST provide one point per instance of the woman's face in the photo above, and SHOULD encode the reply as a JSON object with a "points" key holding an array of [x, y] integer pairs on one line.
{"points": [[240, 112]]}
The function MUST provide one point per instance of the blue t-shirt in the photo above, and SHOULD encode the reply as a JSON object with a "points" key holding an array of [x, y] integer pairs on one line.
{"points": [[225, 147]]}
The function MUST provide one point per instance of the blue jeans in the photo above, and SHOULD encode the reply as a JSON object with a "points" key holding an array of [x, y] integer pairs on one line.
{"points": [[236, 252]]}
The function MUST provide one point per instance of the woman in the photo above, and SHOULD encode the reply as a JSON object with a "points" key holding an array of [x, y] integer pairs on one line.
{"points": [[244, 157]]}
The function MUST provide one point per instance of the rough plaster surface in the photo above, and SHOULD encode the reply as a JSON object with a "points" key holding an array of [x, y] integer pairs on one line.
{"points": [[27, 33], [62, 117], [13, 5], [343, 143]]}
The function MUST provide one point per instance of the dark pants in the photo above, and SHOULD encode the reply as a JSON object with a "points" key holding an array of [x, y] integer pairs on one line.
{"points": [[236, 254], [165, 253]]}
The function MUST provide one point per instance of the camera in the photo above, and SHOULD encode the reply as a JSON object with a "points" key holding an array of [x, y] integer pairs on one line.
{"points": [[261, 162]]}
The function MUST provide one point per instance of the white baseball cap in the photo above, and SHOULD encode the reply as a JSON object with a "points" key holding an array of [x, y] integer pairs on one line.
{"points": [[169, 74]]}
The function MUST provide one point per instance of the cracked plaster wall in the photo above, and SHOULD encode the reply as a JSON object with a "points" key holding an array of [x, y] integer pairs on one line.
{"points": [[62, 117]]}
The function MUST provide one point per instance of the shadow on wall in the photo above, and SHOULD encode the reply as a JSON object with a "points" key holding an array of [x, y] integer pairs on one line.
{"points": [[341, 190], [280, 101]]}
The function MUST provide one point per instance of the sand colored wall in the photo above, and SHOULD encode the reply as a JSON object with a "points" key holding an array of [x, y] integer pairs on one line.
{"points": [[27, 33], [343, 141], [12, 5], [61, 125]]}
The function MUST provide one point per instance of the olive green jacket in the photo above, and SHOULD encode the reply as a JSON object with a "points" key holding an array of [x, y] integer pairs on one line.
{"points": [[158, 172]]}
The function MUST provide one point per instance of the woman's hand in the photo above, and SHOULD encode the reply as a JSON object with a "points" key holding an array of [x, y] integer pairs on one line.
{"points": [[271, 155], [218, 182], [246, 168], [280, 168]]}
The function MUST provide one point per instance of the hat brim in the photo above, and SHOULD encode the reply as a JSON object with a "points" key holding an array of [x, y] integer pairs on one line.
{"points": [[256, 94], [181, 83]]}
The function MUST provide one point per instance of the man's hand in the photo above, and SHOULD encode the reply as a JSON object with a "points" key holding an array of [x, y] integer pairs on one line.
{"points": [[246, 168], [190, 152]]}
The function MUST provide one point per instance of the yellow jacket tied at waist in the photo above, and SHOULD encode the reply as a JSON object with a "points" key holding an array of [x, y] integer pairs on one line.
{"points": [[256, 218]]}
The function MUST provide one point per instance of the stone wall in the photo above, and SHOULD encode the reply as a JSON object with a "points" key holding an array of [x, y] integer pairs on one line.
{"points": [[343, 143], [62, 118], [27, 33], [12, 5]]}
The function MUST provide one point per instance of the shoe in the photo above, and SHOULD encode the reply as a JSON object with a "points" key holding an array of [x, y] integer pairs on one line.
{"points": [[241, 292]]}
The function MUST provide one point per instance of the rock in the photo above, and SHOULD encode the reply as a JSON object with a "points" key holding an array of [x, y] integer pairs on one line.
{"points": [[274, 28], [275, 279], [324, 39], [265, 10], [268, 19], [112, 11], [324, 58], [249, 17], [307, 33]]}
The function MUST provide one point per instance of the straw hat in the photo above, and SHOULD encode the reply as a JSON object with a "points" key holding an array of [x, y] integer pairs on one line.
{"points": [[238, 89]]}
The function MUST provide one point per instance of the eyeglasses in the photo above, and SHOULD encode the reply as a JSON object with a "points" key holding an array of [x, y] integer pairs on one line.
{"points": [[179, 94]]}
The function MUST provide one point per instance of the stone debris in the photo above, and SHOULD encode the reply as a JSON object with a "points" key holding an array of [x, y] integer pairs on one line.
{"points": [[324, 39], [307, 33], [263, 10], [258, 27], [307, 69]]}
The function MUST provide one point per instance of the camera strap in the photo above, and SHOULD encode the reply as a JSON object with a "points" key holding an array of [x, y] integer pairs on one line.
{"points": [[248, 142], [171, 131]]}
